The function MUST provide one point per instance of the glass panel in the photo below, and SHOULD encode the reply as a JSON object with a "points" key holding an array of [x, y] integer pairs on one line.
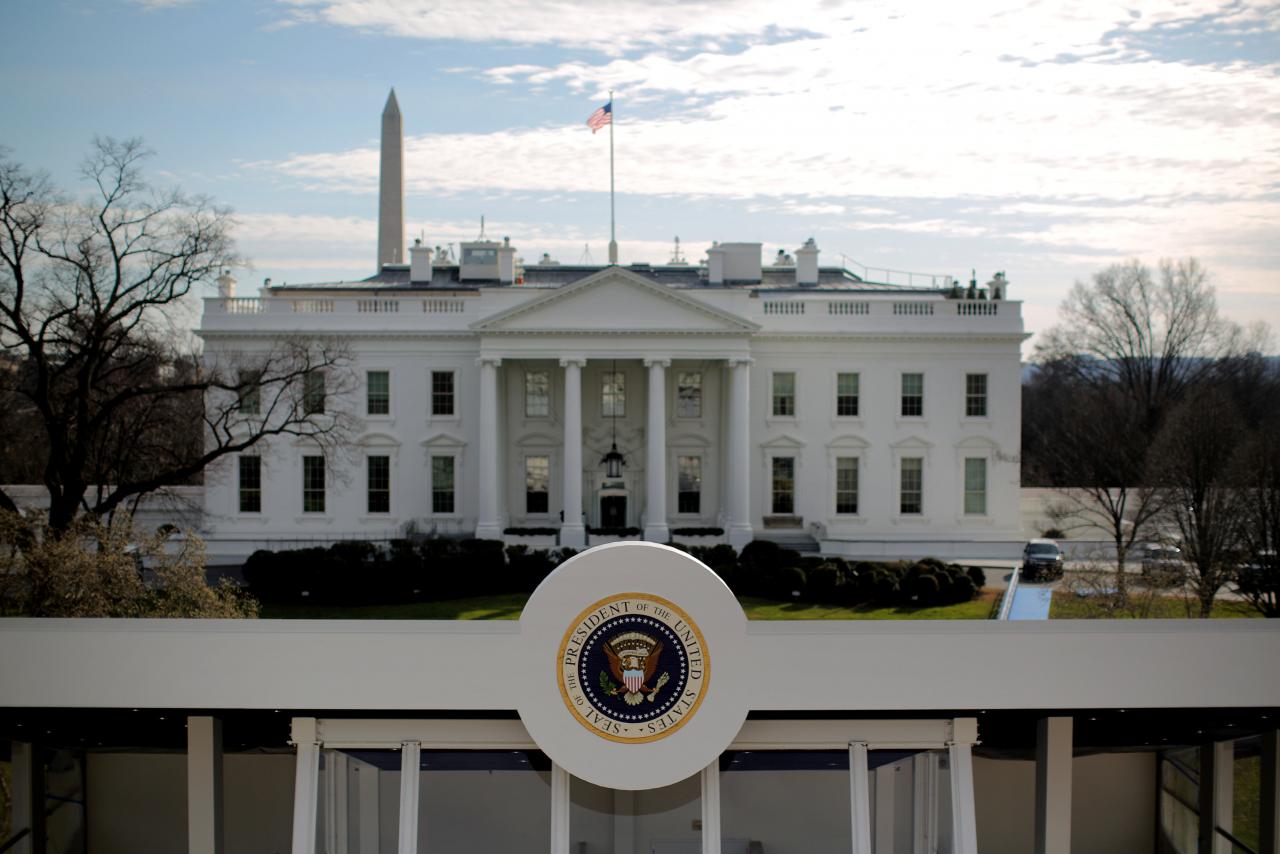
{"points": [[1179, 795], [846, 484], [613, 394], [846, 394], [784, 394], [537, 484], [379, 485], [786, 801], [784, 485], [975, 486], [442, 484], [911, 500], [689, 487], [689, 394], [1246, 808], [537, 394], [313, 484], [442, 392], [379, 393], [651, 821], [975, 395]]}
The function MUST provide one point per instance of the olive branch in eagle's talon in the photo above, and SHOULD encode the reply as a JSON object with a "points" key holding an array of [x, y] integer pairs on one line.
{"points": [[608, 686]]}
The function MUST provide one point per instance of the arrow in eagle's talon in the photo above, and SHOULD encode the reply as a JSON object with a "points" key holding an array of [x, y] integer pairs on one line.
{"points": [[662, 680]]}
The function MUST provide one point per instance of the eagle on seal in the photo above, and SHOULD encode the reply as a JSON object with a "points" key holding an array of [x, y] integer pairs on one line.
{"points": [[633, 658]]}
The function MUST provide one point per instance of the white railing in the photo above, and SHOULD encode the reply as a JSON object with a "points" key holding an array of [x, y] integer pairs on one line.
{"points": [[443, 306], [981, 308], [912, 308], [849, 307], [378, 306], [1007, 602], [313, 306], [887, 276], [242, 305], [784, 307]]}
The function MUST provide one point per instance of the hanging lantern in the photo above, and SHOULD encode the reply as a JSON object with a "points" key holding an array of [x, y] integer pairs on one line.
{"points": [[613, 462]]}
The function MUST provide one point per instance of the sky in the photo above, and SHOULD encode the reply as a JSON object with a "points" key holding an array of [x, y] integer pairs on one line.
{"points": [[1044, 139]]}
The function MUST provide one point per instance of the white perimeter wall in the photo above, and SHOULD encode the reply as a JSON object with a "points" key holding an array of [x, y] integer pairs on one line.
{"points": [[137, 802]]}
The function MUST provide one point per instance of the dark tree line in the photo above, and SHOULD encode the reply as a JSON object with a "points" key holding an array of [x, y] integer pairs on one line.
{"points": [[1156, 419]]}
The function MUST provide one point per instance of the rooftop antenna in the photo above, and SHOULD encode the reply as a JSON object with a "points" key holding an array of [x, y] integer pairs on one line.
{"points": [[676, 256], [481, 227], [586, 254]]}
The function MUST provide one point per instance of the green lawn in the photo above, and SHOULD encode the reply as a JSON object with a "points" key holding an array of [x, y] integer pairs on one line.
{"points": [[1066, 606], [509, 605]]}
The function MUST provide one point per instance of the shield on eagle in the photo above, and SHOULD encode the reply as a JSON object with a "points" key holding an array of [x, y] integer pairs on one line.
{"points": [[633, 658]]}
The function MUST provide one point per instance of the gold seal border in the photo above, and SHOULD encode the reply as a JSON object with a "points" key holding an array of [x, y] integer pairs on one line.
{"points": [[649, 597]]}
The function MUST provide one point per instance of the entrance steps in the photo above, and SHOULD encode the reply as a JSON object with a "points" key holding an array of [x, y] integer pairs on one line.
{"points": [[795, 540]]}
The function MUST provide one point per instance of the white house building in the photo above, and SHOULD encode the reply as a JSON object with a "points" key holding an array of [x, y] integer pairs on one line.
{"points": [[789, 400]]}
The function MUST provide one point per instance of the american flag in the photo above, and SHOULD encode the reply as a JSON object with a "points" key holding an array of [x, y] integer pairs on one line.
{"points": [[601, 117]]}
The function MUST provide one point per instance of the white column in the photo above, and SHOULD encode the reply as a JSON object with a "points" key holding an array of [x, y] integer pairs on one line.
{"points": [[1053, 785], [204, 785], [572, 533], [336, 787], [489, 523], [924, 805], [964, 830], [368, 822], [560, 808], [738, 457], [859, 798], [711, 808], [655, 481], [1269, 826], [22, 757], [305, 789], [410, 774]]}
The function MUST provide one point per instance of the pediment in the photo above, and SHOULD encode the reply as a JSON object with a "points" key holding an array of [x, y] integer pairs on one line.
{"points": [[912, 443], [848, 440], [785, 442], [611, 302], [443, 441]]}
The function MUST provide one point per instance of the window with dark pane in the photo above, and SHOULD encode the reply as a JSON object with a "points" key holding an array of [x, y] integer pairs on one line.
{"points": [[378, 388], [313, 484], [442, 500], [442, 392], [537, 484], [911, 486], [379, 484], [784, 485], [688, 394], [975, 486], [912, 395], [313, 393], [846, 395], [250, 484], [784, 394], [613, 394], [975, 395], [689, 484], [249, 392], [537, 394], [846, 484]]}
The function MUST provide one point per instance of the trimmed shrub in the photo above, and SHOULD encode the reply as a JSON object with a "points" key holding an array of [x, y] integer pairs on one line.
{"points": [[825, 582], [977, 576]]}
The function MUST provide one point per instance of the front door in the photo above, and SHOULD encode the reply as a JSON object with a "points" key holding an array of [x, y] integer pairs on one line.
{"points": [[613, 511]]}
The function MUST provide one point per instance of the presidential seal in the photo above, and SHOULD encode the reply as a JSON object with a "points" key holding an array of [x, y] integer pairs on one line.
{"points": [[633, 668]]}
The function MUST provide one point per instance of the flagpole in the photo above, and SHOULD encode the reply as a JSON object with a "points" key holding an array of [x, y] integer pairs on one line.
{"points": [[613, 235]]}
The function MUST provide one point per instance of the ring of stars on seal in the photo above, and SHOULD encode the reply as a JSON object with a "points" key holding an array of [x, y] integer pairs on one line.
{"points": [[633, 668]]}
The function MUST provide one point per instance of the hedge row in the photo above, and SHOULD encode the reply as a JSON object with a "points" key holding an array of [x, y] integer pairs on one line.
{"points": [[355, 573]]}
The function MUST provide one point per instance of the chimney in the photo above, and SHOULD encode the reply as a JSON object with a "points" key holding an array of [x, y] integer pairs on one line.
{"points": [[999, 286], [741, 263], [506, 262], [807, 264], [715, 264], [419, 263], [226, 285], [391, 186]]}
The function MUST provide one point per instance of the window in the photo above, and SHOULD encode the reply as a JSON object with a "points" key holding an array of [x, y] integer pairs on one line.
{"points": [[379, 484], [784, 485], [537, 394], [912, 395], [613, 394], [689, 484], [249, 393], [250, 484], [688, 394], [442, 392], [975, 395], [537, 484], [846, 484], [911, 486], [378, 386], [313, 393], [442, 485], [784, 394], [313, 484], [846, 395], [975, 486]]}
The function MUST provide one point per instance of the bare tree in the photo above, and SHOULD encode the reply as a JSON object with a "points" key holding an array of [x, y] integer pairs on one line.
{"points": [[123, 402], [1192, 461], [1258, 473]]}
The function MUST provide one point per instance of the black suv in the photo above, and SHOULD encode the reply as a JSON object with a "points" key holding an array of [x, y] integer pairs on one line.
{"points": [[1041, 561]]}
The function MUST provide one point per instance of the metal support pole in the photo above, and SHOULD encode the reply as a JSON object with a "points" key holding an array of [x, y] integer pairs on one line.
{"points": [[305, 788], [560, 807], [860, 798], [711, 808], [1216, 784], [204, 785], [1269, 826], [410, 774]]}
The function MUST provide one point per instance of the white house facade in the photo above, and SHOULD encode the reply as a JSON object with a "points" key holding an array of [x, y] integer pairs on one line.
{"points": [[794, 401]]}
